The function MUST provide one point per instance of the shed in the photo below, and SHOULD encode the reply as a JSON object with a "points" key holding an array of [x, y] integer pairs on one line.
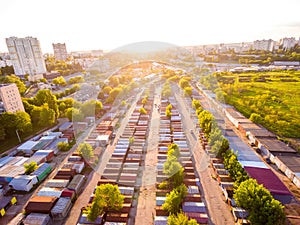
{"points": [[42, 171], [52, 192], [42, 144], [23, 182], [61, 208], [48, 138], [273, 145], [68, 193], [27, 147], [53, 145], [269, 180], [160, 200], [5, 202], [39, 159], [57, 183], [194, 207], [83, 220], [65, 126], [37, 219], [77, 183], [40, 204], [56, 134], [77, 166], [5, 160], [9, 172], [49, 154], [160, 220], [102, 140]]}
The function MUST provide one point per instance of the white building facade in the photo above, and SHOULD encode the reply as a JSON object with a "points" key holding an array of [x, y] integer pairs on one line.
{"points": [[288, 43], [10, 99], [60, 51], [26, 56], [266, 45]]}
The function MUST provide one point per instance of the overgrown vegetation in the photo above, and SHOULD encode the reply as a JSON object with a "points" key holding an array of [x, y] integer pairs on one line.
{"points": [[271, 99], [107, 198], [257, 200]]}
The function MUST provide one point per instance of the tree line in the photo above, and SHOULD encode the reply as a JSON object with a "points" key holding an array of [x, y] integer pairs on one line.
{"points": [[257, 200]]}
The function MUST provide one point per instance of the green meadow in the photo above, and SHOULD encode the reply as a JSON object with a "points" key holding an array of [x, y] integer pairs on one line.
{"points": [[272, 97]]}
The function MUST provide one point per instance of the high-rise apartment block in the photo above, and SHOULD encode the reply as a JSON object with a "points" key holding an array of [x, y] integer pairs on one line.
{"points": [[266, 45], [26, 56], [10, 99], [60, 51], [288, 43]]}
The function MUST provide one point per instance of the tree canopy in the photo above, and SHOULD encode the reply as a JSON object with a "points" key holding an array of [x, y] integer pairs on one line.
{"points": [[258, 201], [14, 79], [86, 151], [174, 199], [107, 198], [45, 96], [180, 219], [16, 121], [31, 167]]}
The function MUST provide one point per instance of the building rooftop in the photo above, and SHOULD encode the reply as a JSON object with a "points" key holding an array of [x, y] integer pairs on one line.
{"points": [[292, 161], [274, 145], [268, 179]]}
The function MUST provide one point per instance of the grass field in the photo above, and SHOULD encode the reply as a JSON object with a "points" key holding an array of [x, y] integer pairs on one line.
{"points": [[274, 96]]}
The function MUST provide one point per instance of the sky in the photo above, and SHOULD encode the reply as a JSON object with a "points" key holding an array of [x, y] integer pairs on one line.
{"points": [[110, 24]]}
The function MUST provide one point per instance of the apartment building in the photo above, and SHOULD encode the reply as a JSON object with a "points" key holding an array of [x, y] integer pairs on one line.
{"points": [[10, 99], [266, 45], [288, 43], [26, 56], [60, 51]]}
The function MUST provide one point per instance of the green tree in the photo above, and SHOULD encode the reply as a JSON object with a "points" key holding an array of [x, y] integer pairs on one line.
{"points": [[113, 94], [256, 118], [30, 167], [123, 103], [143, 110], [62, 146], [74, 114], [180, 219], [174, 170], [106, 90], [14, 79], [206, 121], [196, 104], [45, 96], [183, 83], [188, 91], [113, 81], [235, 169], [258, 201], [75, 80], [131, 140], [47, 116], [107, 198], [173, 150], [59, 81], [2, 132], [174, 199], [86, 151]]}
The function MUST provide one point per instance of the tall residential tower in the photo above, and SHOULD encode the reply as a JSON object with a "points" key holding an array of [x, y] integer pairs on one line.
{"points": [[60, 51], [26, 56]]}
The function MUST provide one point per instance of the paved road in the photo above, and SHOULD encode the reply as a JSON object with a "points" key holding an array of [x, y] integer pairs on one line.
{"points": [[146, 201], [94, 177], [218, 210]]}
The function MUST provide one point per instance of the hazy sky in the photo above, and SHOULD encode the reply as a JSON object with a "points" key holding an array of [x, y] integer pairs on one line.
{"points": [[99, 24]]}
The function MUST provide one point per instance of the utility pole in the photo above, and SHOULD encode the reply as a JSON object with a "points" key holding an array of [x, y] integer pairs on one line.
{"points": [[18, 135]]}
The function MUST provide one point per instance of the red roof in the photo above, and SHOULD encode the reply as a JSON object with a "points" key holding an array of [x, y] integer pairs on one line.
{"points": [[268, 179], [68, 193]]}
